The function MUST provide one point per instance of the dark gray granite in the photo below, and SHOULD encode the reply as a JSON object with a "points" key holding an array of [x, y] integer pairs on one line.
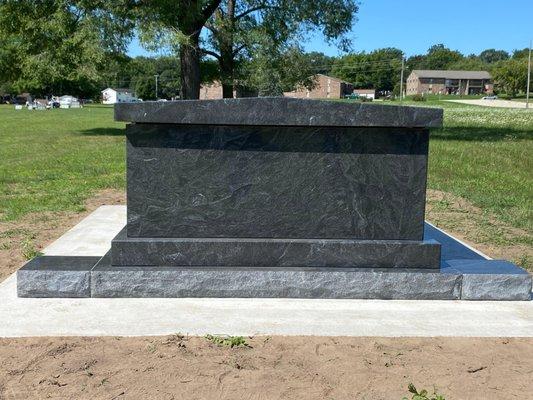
{"points": [[331, 283], [56, 276], [127, 251], [276, 111], [491, 279], [276, 182], [468, 276]]}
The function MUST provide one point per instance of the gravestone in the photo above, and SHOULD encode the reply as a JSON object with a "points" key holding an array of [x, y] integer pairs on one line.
{"points": [[277, 197]]}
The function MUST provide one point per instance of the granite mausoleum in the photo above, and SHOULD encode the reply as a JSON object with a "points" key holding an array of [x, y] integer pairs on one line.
{"points": [[277, 197]]}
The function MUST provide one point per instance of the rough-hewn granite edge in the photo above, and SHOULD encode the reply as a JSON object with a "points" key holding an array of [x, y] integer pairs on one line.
{"points": [[272, 283], [279, 111], [71, 276], [56, 276], [492, 280]]}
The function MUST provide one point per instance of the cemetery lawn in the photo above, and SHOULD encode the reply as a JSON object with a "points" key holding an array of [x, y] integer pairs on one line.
{"points": [[55, 163]]}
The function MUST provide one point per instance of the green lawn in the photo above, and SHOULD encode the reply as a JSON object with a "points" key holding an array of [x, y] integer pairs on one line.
{"points": [[53, 160]]}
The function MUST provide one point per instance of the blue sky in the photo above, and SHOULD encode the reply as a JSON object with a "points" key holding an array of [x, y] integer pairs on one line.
{"points": [[469, 26]]}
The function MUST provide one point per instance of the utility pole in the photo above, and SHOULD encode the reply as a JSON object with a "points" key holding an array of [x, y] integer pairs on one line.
{"points": [[528, 75], [156, 92], [401, 79]]}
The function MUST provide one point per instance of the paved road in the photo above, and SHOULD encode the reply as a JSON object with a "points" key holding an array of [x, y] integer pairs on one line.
{"points": [[495, 103]]}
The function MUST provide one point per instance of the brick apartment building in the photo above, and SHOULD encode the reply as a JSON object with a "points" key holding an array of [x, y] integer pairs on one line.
{"points": [[326, 87], [448, 82]]}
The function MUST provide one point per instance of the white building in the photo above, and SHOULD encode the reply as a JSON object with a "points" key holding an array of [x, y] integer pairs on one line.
{"points": [[113, 96], [68, 101]]}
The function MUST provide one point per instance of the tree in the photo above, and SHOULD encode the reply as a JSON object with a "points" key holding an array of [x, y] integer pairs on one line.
{"points": [[491, 56], [182, 21], [470, 63], [238, 26], [272, 71], [52, 46], [511, 75], [379, 69], [523, 53], [440, 57]]}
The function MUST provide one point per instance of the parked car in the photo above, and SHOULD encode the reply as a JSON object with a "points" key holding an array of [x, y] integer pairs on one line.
{"points": [[492, 97], [352, 96]]}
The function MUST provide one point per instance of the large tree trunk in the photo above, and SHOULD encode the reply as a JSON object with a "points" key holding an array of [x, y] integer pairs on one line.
{"points": [[227, 71], [190, 69], [225, 44]]}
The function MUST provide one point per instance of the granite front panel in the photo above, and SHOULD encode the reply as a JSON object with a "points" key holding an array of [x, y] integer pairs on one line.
{"points": [[194, 181], [274, 252]]}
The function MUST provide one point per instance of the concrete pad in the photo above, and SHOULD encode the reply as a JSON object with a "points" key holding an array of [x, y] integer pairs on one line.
{"points": [[24, 317], [92, 236]]}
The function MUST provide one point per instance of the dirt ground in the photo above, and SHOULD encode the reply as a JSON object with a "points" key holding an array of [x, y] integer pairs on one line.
{"points": [[175, 367], [178, 367]]}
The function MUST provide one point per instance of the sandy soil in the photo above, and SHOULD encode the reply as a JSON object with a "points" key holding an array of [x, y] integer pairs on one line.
{"points": [[271, 368], [493, 103]]}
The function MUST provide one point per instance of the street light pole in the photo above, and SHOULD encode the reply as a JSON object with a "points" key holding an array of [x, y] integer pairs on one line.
{"points": [[401, 79], [528, 75], [156, 92]]}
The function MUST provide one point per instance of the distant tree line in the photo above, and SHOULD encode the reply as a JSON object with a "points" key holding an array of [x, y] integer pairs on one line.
{"points": [[79, 47]]}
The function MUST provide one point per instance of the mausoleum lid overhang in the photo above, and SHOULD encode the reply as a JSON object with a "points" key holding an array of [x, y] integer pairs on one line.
{"points": [[278, 111]]}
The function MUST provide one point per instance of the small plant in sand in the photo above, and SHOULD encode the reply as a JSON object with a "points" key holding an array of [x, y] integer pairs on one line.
{"points": [[423, 394], [231, 341]]}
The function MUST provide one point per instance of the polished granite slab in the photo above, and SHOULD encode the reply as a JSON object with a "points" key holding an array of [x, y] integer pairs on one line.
{"points": [[276, 182], [278, 111], [262, 252]]}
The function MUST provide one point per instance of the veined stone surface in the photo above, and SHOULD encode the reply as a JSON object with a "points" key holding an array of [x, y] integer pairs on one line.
{"points": [[278, 111], [276, 182], [231, 252]]}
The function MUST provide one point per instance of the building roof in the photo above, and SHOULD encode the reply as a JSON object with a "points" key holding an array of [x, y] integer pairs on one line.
{"points": [[428, 73], [118, 90]]}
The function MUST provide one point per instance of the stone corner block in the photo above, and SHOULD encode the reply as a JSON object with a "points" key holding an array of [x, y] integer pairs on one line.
{"points": [[492, 280], [56, 276]]}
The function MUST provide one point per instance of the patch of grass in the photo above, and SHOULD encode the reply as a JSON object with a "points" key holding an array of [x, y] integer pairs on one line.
{"points": [[54, 160], [28, 249], [231, 341]]}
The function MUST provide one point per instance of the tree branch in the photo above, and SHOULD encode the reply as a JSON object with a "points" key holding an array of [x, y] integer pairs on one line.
{"points": [[236, 51], [211, 27], [251, 10], [211, 53], [210, 9]]}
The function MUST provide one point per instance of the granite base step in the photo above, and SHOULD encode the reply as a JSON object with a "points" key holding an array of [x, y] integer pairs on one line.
{"points": [[58, 276], [273, 252]]}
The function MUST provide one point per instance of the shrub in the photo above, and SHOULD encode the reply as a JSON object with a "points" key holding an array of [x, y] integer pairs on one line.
{"points": [[418, 97]]}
